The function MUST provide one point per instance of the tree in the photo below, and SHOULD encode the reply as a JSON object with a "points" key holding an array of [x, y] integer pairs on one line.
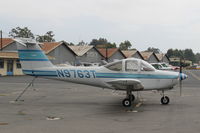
{"points": [[48, 37], [102, 43], [125, 45], [21, 32], [71, 44], [152, 49], [170, 53], [189, 55], [82, 43], [197, 56], [183, 54]]}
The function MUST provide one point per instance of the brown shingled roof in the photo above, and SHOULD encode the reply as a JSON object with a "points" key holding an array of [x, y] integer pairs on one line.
{"points": [[81, 50], [147, 55], [49, 46], [6, 42], [110, 51], [161, 56], [129, 53]]}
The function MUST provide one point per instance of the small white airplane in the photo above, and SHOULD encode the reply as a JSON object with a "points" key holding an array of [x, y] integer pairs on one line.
{"points": [[127, 75]]}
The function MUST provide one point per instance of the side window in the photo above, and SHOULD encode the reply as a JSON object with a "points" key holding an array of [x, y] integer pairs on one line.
{"points": [[156, 66], [131, 65], [115, 66], [146, 66]]}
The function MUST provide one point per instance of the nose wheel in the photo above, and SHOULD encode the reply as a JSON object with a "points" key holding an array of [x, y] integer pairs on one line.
{"points": [[165, 100]]}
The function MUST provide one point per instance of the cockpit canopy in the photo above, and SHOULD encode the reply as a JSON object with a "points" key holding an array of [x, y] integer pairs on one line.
{"points": [[130, 65]]}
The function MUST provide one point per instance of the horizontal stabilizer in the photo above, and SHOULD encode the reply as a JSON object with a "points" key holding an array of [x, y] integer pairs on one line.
{"points": [[26, 41]]}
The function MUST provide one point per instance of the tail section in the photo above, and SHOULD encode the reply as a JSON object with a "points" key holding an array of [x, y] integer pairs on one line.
{"points": [[31, 56]]}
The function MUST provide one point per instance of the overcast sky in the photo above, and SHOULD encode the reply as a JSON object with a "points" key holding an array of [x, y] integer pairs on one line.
{"points": [[162, 24]]}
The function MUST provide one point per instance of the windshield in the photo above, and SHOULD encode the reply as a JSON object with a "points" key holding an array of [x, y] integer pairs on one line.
{"points": [[117, 66], [146, 66]]}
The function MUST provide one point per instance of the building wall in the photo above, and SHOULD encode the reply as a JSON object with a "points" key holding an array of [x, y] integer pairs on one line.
{"points": [[152, 59], [10, 47], [4, 69], [91, 56], [136, 55], [116, 56], [165, 59], [16, 71], [62, 55]]}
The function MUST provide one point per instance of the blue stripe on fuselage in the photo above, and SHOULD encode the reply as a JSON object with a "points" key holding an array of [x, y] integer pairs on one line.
{"points": [[40, 73], [104, 75], [139, 76], [34, 59]]}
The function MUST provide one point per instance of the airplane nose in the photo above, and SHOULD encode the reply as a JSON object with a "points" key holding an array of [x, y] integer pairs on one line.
{"points": [[182, 76]]}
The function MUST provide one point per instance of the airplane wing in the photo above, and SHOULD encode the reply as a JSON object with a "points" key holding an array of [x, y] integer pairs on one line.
{"points": [[133, 84]]}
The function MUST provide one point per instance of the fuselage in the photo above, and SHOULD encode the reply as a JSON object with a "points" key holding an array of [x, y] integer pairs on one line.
{"points": [[99, 76]]}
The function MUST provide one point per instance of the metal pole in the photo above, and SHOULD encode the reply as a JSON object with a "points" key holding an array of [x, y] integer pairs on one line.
{"points": [[1, 41]]}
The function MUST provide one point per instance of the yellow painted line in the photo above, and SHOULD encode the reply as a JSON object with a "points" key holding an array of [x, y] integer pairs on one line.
{"points": [[138, 105], [3, 123], [194, 75], [4, 94]]}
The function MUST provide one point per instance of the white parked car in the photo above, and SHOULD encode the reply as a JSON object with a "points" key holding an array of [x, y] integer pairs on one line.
{"points": [[162, 66]]}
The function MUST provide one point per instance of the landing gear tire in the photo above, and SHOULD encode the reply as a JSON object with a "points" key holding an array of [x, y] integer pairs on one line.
{"points": [[165, 100], [126, 102]]}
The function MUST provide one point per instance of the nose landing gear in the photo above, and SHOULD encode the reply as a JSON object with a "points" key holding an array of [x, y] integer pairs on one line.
{"points": [[164, 99]]}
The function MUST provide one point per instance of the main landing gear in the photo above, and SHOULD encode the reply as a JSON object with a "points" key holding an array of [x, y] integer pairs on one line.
{"points": [[164, 99], [129, 99]]}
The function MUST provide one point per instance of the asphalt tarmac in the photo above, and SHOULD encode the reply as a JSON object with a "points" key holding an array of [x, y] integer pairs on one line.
{"points": [[60, 107]]}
